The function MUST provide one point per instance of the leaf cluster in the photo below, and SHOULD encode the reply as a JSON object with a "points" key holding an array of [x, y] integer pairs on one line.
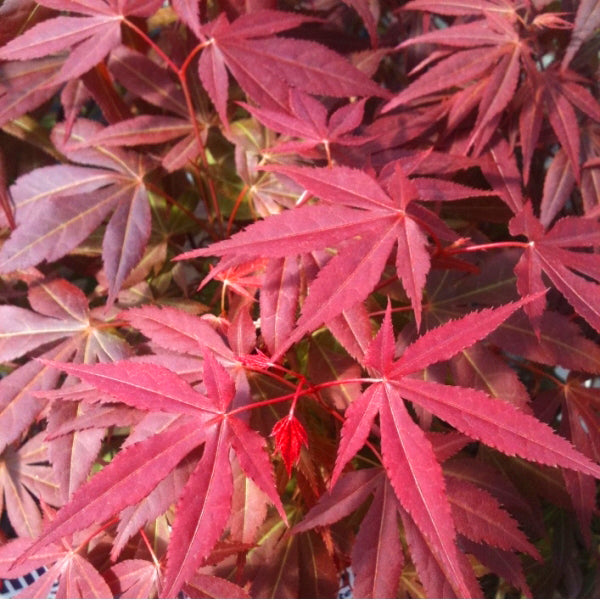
{"points": [[291, 288]]}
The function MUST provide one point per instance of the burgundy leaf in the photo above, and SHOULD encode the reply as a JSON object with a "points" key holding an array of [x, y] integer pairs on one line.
{"points": [[417, 479], [346, 496], [460, 68], [202, 513], [122, 483], [493, 422], [265, 66], [586, 21], [449, 339], [479, 517], [545, 253], [132, 383], [377, 557], [353, 273]]}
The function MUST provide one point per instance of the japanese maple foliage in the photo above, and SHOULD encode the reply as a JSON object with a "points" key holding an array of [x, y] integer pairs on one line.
{"points": [[292, 288]]}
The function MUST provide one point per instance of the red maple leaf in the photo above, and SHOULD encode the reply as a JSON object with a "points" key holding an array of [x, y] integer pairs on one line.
{"points": [[116, 177], [88, 39], [307, 119], [266, 66], [549, 252], [66, 561], [63, 325], [290, 436], [496, 64], [196, 419], [358, 217], [154, 84], [408, 458]]}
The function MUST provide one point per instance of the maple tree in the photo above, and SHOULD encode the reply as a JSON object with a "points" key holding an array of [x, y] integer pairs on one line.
{"points": [[289, 289]]}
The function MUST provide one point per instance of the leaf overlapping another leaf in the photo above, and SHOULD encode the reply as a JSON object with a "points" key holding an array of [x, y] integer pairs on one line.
{"points": [[200, 420], [443, 155], [408, 458]]}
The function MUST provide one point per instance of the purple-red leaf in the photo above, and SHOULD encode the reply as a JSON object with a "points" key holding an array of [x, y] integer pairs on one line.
{"points": [[497, 424], [377, 555], [417, 479], [447, 340], [134, 384], [127, 479], [202, 513], [249, 448]]}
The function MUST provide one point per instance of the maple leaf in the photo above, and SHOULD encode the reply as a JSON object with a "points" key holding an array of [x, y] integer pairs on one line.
{"points": [[64, 196], [492, 60], [359, 218], [408, 458], [289, 436], [562, 92], [154, 84], [561, 341], [61, 317], [66, 561], [181, 332], [547, 252], [307, 119], [489, 72], [89, 39], [266, 66], [377, 555], [205, 502], [25, 85], [61, 311], [23, 473]]}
